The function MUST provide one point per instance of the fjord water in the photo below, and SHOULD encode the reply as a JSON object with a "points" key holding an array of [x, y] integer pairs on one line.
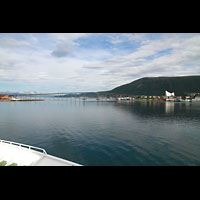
{"points": [[107, 133]]}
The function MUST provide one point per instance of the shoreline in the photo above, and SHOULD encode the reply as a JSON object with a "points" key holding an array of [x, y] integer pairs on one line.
{"points": [[21, 100]]}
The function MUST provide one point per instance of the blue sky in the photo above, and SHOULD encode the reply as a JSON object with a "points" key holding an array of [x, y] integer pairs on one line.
{"points": [[76, 62]]}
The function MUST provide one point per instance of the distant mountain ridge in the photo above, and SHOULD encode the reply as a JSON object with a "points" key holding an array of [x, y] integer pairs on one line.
{"points": [[150, 86], [158, 85]]}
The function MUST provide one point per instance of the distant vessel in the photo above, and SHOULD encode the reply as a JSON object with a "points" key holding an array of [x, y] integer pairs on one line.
{"points": [[14, 99], [106, 99], [17, 99], [16, 154], [125, 99], [83, 98]]}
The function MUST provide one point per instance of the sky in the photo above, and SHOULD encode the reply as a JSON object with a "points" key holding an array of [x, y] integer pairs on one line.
{"points": [[91, 62]]}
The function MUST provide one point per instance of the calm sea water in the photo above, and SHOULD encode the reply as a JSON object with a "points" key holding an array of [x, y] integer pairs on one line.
{"points": [[107, 133]]}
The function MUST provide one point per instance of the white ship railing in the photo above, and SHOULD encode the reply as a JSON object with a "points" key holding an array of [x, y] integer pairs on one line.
{"points": [[25, 146]]}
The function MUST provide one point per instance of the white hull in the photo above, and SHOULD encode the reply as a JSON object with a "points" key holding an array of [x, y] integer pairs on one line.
{"points": [[26, 155]]}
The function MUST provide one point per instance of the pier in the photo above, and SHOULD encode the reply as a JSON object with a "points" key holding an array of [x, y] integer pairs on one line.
{"points": [[26, 100]]}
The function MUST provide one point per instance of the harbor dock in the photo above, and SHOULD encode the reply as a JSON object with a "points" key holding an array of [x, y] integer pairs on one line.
{"points": [[26, 100]]}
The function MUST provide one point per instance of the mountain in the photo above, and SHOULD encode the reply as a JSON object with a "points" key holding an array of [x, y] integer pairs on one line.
{"points": [[157, 86]]}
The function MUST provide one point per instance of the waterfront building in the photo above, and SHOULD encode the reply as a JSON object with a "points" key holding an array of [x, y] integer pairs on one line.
{"points": [[169, 94], [197, 98], [4, 97]]}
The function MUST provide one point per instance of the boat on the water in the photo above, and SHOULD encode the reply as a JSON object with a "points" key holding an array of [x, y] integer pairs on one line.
{"points": [[14, 99], [18, 99], [17, 154]]}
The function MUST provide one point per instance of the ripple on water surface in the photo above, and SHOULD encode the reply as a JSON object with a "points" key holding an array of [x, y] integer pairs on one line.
{"points": [[94, 133]]}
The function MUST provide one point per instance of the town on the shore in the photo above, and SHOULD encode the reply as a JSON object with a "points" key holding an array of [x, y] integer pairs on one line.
{"points": [[169, 96]]}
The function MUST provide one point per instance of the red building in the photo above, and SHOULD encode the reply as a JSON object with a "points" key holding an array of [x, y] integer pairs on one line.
{"points": [[4, 97]]}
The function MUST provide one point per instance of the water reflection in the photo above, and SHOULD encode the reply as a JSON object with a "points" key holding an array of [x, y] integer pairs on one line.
{"points": [[169, 107], [161, 110], [107, 133]]}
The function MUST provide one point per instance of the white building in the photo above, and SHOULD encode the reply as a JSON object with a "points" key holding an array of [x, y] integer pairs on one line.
{"points": [[168, 94], [196, 99]]}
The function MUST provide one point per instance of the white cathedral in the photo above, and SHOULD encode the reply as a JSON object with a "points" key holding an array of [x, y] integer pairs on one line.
{"points": [[168, 94]]}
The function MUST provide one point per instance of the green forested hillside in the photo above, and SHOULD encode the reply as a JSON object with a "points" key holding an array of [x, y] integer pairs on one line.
{"points": [[158, 85]]}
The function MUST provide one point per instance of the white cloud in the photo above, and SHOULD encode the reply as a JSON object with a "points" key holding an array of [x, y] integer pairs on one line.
{"points": [[6, 42], [126, 37], [65, 43], [135, 37], [30, 62], [183, 59]]}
